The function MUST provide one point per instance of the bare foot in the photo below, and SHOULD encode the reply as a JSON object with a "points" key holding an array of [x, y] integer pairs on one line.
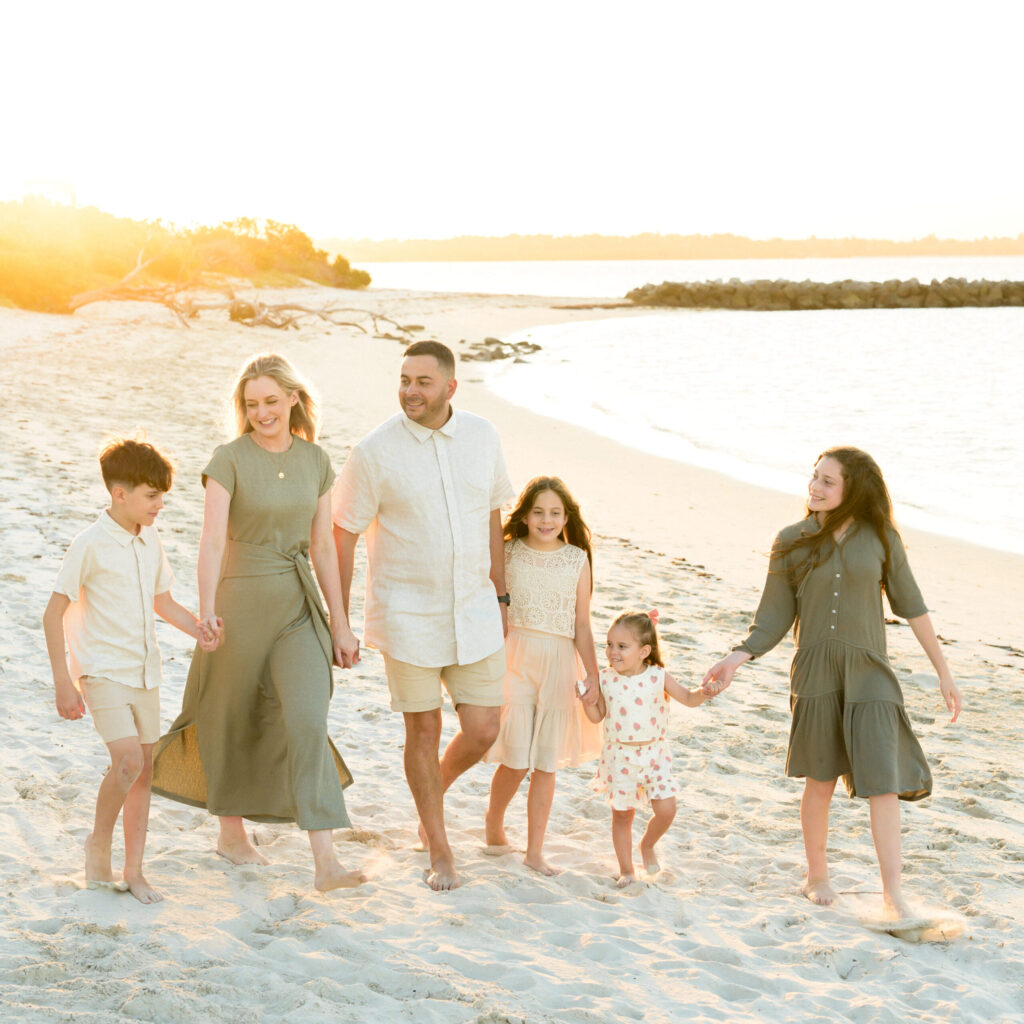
{"points": [[541, 866], [97, 861], [651, 865], [621, 881], [494, 833], [336, 877], [240, 852], [422, 833], [819, 891], [896, 907], [442, 876], [142, 890], [496, 851]]}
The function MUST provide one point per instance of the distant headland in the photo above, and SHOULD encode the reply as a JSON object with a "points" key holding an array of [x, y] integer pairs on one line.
{"points": [[652, 246]]}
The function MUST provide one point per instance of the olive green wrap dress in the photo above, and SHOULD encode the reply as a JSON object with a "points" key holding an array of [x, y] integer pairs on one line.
{"points": [[251, 739], [847, 705]]}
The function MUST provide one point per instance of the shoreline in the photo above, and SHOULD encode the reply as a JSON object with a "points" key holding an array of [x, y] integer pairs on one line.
{"points": [[722, 928]]}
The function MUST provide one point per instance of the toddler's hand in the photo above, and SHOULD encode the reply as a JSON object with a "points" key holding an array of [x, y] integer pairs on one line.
{"points": [[590, 692]]}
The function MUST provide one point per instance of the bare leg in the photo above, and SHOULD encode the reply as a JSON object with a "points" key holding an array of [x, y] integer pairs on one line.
{"points": [[235, 844], [622, 840], [327, 872], [664, 812], [423, 773], [538, 810], [814, 822], [125, 766], [504, 786], [136, 823], [478, 729], [885, 830]]}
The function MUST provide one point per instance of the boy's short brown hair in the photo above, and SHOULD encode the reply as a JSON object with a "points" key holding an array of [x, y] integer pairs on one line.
{"points": [[135, 462]]}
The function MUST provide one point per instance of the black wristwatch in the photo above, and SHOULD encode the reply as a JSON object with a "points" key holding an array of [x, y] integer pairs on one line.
{"points": [[505, 599]]}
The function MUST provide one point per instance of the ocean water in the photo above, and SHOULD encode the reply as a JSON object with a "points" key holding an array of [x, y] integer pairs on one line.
{"points": [[613, 278], [932, 394]]}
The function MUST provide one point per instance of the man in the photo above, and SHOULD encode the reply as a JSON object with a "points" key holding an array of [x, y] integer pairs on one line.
{"points": [[426, 487]]}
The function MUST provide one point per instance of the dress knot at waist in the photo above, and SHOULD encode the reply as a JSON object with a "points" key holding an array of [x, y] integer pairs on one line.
{"points": [[246, 560]]}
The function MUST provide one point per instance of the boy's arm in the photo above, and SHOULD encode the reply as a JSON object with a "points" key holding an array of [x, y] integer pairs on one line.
{"points": [[68, 699], [177, 615], [691, 698]]}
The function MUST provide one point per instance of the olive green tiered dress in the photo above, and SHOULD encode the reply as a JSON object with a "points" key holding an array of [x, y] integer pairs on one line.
{"points": [[251, 739], [848, 713]]}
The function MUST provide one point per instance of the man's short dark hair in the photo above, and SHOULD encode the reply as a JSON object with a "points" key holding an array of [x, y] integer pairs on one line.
{"points": [[442, 353], [131, 463]]}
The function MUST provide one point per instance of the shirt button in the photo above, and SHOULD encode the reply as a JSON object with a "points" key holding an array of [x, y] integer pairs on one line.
{"points": [[833, 611], [832, 627], [835, 593], [837, 575]]}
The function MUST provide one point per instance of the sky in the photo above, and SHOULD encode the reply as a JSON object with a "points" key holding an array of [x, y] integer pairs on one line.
{"points": [[381, 119]]}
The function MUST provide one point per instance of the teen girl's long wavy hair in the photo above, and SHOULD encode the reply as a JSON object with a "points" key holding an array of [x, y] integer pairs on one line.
{"points": [[865, 499], [575, 532], [305, 414]]}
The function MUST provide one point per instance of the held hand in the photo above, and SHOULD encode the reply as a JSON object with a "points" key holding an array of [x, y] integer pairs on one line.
{"points": [[213, 624], [589, 697], [719, 676], [346, 645], [69, 701], [951, 695], [207, 640]]}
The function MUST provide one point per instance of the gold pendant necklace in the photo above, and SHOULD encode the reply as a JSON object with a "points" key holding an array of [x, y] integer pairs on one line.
{"points": [[284, 461]]}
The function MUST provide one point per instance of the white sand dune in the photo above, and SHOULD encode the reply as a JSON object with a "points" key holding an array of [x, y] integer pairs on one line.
{"points": [[721, 934]]}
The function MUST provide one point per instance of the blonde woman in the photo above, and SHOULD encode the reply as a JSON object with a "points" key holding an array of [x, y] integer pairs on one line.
{"points": [[251, 740]]}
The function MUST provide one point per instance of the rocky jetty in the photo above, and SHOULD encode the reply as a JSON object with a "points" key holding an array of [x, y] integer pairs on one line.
{"points": [[777, 295]]}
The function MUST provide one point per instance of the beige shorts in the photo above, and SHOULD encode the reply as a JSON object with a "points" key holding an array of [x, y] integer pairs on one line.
{"points": [[120, 711], [419, 689]]}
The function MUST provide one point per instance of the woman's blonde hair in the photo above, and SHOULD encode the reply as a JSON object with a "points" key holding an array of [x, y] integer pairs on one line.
{"points": [[305, 414]]}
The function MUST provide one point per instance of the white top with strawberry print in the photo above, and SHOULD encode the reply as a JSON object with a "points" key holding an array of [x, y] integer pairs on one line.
{"points": [[637, 705]]}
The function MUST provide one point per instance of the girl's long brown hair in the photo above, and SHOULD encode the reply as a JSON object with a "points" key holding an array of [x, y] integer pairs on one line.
{"points": [[865, 499], [575, 532]]}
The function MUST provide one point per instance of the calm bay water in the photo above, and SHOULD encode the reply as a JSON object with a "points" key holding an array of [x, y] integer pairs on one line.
{"points": [[932, 394], [613, 278]]}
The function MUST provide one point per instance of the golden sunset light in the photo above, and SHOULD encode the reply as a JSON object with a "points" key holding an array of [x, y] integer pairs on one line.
{"points": [[513, 513]]}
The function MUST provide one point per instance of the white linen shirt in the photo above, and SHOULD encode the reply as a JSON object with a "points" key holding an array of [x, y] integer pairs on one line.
{"points": [[111, 577], [424, 500]]}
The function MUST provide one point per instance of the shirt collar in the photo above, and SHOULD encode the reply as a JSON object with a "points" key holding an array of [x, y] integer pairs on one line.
{"points": [[422, 433], [118, 532]]}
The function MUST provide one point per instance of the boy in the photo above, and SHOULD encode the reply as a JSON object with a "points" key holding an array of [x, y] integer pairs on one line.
{"points": [[114, 576]]}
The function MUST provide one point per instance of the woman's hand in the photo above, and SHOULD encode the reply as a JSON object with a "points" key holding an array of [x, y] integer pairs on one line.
{"points": [[346, 644], [212, 625], [951, 695], [719, 676]]}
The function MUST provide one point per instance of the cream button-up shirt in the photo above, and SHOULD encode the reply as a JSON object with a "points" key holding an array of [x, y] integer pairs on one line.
{"points": [[111, 577], [424, 500]]}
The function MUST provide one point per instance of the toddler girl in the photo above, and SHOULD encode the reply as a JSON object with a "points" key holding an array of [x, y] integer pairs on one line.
{"points": [[550, 645], [636, 765]]}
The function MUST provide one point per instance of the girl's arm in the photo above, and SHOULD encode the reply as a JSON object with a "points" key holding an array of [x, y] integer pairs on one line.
{"points": [[691, 698], [596, 710], [925, 633], [584, 636], [325, 562], [212, 542]]}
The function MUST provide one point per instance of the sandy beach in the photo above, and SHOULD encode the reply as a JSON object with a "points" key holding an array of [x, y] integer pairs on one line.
{"points": [[722, 934]]}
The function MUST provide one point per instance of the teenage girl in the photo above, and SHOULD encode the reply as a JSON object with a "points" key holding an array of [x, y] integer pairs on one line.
{"points": [[550, 646], [636, 765], [827, 575]]}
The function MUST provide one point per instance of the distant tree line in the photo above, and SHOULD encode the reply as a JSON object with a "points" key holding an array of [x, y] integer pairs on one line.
{"points": [[50, 252], [660, 247]]}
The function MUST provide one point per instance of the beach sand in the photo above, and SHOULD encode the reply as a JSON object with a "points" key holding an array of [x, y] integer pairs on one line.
{"points": [[722, 934]]}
